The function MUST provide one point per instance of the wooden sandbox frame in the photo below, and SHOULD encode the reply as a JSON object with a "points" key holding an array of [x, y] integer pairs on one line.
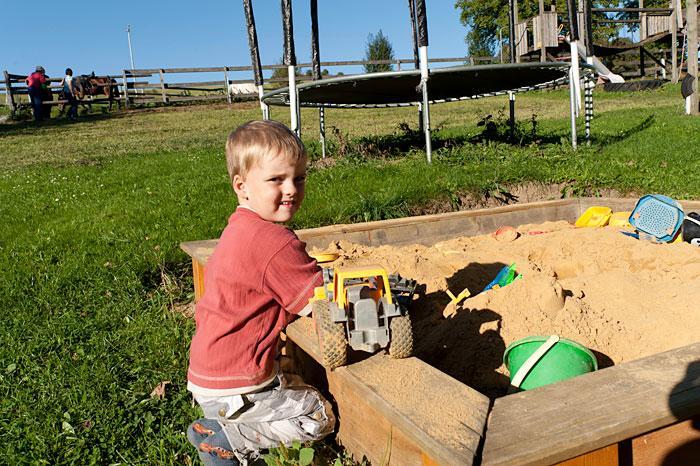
{"points": [[643, 412]]}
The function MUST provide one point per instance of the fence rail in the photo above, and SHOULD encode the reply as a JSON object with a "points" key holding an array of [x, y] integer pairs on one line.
{"points": [[150, 86]]}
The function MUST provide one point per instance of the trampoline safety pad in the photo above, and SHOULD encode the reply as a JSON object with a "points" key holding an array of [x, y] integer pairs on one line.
{"points": [[402, 88]]}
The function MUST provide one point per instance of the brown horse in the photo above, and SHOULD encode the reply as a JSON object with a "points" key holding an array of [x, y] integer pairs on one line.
{"points": [[96, 86]]}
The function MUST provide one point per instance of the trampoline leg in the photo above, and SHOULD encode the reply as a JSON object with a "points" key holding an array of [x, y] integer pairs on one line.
{"points": [[322, 130], [420, 117], [426, 123], [511, 120], [263, 106], [588, 108], [423, 56], [293, 110], [572, 107]]}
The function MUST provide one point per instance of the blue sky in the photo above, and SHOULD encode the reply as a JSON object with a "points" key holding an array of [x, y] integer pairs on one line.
{"points": [[91, 36]]}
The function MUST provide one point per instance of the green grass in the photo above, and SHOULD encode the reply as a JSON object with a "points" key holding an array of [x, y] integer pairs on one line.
{"points": [[93, 212]]}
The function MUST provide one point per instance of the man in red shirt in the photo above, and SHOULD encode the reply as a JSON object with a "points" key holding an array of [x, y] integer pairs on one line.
{"points": [[34, 82], [258, 280]]}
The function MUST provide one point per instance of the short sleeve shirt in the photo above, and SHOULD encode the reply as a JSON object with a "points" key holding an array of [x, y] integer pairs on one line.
{"points": [[258, 278]]}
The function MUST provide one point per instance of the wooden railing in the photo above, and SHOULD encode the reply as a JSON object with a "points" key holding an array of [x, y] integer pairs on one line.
{"points": [[150, 86]]}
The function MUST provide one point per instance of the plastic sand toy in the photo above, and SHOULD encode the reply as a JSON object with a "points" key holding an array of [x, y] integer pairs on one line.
{"points": [[506, 276]]}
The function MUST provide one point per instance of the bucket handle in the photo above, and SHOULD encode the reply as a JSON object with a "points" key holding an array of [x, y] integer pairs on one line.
{"points": [[532, 360]]}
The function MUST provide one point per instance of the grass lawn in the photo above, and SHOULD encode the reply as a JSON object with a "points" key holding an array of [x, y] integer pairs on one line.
{"points": [[93, 282]]}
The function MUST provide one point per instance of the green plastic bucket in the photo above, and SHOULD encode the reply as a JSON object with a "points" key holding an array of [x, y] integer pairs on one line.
{"points": [[564, 360]]}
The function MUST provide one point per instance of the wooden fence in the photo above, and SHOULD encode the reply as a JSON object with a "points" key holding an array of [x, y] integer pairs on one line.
{"points": [[150, 86], [157, 90]]}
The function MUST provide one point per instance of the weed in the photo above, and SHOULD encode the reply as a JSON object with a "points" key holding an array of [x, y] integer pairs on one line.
{"points": [[294, 455]]}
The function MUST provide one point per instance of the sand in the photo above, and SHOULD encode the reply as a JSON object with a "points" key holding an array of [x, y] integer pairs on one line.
{"points": [[622, 298]]}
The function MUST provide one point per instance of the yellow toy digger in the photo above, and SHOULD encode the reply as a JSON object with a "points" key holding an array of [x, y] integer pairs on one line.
{"points": [[365, 308]]}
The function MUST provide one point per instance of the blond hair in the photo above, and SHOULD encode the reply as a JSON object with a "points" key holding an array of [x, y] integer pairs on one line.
{"points": [[251, 142]]}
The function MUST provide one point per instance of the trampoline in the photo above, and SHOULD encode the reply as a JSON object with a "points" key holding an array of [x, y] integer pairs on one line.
{"points": [[421, 86], [402, 88]]}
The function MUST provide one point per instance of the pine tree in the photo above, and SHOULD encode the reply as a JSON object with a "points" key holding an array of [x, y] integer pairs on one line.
{"points": [[378, 48]]}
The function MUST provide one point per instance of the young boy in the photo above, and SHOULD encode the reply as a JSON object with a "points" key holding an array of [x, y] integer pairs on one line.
{"points": [[257, 280]]}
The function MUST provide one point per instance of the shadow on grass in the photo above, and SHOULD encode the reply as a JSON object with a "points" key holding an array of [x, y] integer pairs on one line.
{"points": [[492, 130], [18, 127], [623, 134]]}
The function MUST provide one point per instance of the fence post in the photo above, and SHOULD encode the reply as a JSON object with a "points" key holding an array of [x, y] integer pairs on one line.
{"points": [[228, 94], [126, 90], [162, 86], [674, 48], [9, 97]]}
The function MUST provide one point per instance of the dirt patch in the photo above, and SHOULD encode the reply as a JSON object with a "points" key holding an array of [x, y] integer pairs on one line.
{"points": [[621, 297], [514, 194]]}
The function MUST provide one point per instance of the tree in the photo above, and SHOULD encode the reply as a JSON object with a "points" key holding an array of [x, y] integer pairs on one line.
{"points": [[378, 48], [485, 18]]}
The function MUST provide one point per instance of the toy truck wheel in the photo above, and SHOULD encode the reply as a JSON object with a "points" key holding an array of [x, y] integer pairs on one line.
{"points": [[401, 337], [331, 336]]}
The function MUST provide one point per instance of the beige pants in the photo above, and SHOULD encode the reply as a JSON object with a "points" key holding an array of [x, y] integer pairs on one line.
{"points": [[286, 411]]}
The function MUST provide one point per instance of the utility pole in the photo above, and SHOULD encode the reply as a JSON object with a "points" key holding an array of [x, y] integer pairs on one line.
{"points": [[131, 52], [131, 58]]}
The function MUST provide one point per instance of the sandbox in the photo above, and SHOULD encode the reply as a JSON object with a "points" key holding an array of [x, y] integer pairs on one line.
{"points": [[631, 302], [620, 297]]}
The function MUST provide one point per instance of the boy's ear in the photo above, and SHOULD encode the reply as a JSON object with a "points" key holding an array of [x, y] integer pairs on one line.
{"points": [[239, 187]]}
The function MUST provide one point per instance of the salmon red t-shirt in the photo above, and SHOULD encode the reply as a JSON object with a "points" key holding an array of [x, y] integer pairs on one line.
{"points": [[258, 278]]}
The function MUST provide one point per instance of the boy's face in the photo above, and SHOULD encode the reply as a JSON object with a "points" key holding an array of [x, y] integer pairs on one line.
{"points": [[274, 188]]}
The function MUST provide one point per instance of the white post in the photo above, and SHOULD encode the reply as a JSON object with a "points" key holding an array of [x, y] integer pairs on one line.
{"points": [[423, 57], [263, 106], [131, 55], [663, 67], [293, 111], [692, 25], [572, 106], [575, 76]]}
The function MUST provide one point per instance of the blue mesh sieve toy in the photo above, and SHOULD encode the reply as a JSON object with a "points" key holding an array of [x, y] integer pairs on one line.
{"points": [[657, 216]]}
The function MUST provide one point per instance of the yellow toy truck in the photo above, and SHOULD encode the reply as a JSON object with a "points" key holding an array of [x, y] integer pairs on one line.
{"points": [[365, 308]]}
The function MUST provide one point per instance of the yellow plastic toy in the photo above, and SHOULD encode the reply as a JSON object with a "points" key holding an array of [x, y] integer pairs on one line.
{"points": [[594, 217], [365, 308], [620, 220], [323, 257]]}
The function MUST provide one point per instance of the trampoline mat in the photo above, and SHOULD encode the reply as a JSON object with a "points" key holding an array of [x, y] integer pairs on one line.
{"points": [[445, 84]]}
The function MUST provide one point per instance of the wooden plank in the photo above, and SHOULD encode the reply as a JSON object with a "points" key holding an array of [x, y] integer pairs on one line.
{"points": [[8, 96], [198, 279], [561, 421], [607, 456], [162, 87], [444, 424], [521, 42], [226, 91], [676, 445], [194, 98], [125, 94], [425, 229], [429, 229], [625, 204], [199, 251]]}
